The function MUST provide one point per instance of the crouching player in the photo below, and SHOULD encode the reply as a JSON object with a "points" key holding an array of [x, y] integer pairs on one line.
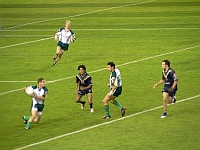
{"points": [[38, 97]]}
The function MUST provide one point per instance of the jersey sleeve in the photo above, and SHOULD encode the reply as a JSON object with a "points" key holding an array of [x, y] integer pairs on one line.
{"points": [[77, 79], [114, 78], [90, 81], [173, 75]]}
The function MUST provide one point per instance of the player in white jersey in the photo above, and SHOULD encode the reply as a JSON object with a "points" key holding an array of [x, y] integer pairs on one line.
{"points": [[63, 37], [38, 97], [115, 90]]}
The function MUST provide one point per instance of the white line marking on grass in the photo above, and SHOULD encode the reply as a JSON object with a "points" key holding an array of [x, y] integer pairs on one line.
{"points": [[78, 15], [48, 82], [135, 29], [102, 124], [80, 30], [26, 35], [26, 42], [16, 81]]}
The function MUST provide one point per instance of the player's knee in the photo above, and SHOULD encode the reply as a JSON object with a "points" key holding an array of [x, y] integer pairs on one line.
{"points": [[36, 121], [105, 102], [77, 100], [112, 100]]}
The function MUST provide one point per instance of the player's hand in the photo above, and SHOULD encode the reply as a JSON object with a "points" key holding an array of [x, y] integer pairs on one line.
{"points": [[155, 85], [25, 89], [82, 88], [170, 90], [73, 39], [108, 85]]}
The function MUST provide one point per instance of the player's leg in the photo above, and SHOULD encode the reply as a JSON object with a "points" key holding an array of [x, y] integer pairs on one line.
{"points": [[59, 56], [58, 48], [123, 109], [106, 106], [89, 96], [25, 119], [39, 113], [32, 117], [115, 102], [37, 118], [78, 99], [172, 97], [165, 101]]}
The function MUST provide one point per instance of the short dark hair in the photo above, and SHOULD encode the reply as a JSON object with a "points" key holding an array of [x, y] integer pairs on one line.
{"points": [[167, 62], [40, 80], [82, 66], [112, 64]]}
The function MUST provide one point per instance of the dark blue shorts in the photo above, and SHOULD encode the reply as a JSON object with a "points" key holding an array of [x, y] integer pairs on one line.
{"points": [[83, 92], [171, 94], [63, 45]]}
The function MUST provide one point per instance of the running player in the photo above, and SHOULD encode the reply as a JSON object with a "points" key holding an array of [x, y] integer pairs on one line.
{"points": [[84, 86], [115, 90], [38, 97], [63, 37], [170, 79]]}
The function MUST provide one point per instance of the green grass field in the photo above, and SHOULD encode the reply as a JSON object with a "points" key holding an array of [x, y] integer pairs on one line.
{"points": [[137, 35]]}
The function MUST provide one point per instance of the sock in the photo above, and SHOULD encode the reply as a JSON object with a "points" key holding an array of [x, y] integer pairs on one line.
{"points": [[117, 104], [28, 124], [91, 105], [106, 107], [82, 102], [26, 118]]}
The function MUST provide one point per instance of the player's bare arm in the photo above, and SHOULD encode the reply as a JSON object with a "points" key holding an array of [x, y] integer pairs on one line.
{"points": [[38, 97], [160, 82], [112, 90], [85, 88], [76, 89], [174, 84]]}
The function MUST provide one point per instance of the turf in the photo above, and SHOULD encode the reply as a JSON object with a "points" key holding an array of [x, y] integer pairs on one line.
{"points": [[137, 36]]}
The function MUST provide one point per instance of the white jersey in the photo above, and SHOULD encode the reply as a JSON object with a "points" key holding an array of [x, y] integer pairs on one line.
{"points": [[39, 92], [115, 78], [65, 36]]}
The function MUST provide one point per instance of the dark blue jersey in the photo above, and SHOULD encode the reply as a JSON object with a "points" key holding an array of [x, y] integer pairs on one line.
{"points": [[169, 76], [84, 80]]}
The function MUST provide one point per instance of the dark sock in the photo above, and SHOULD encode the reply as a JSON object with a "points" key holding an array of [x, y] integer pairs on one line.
{"points": [[117, 104], [81, 101], [91, 105], [106, 107]]}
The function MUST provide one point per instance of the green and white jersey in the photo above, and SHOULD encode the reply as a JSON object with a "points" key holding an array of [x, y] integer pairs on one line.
{"points": [[39, 92], [115, 78], [65, 36]]}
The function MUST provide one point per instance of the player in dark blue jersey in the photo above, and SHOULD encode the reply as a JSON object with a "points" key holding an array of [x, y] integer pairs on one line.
{"points": [[170, 79], [84, 86]]}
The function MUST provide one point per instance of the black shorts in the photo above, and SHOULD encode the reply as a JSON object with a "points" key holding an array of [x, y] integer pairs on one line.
{"points": [[171, 94], [83, 92], [63, 45]]}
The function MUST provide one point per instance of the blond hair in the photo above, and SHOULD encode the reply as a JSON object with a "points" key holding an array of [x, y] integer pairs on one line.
{"points": [[67, 21]]}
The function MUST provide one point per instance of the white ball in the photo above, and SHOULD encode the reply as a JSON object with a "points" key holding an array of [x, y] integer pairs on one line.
{"points": [[29, 90]]}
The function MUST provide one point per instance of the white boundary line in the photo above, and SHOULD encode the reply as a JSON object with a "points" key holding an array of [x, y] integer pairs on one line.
{"points": [[134, 29], [24, 35], [48, 82], [27, 42], [102, 124], [16, 81], [78, 29], [78, 15]]}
